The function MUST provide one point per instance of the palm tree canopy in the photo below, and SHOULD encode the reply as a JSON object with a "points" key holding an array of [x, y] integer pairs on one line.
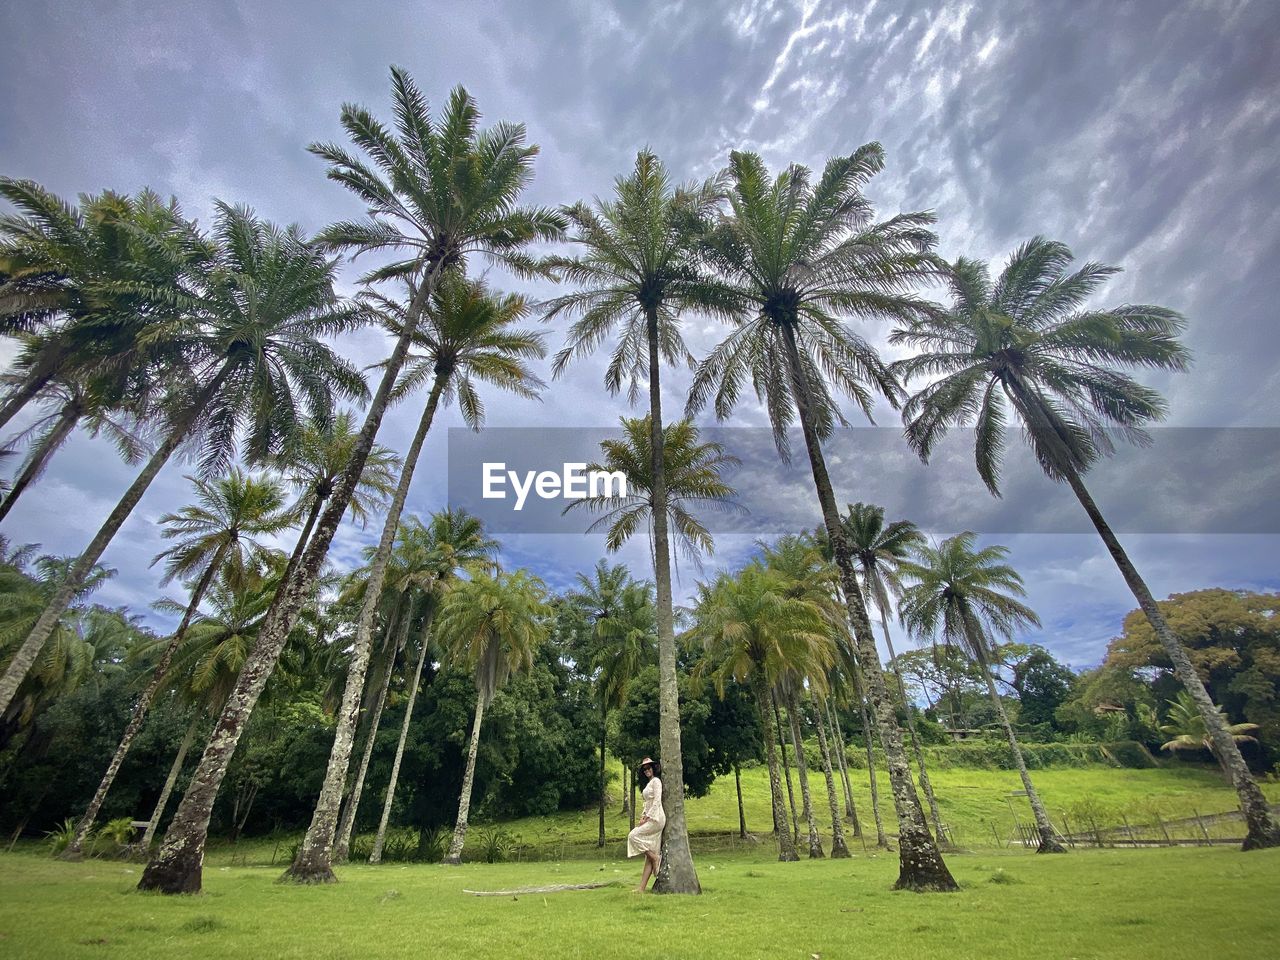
{"points": [[1029, 341], [878, 548], [793, 258], [1188, 731], [965, 595], [641, 255], [692, 470], [436, 190], [492, 625], [467, 334]]}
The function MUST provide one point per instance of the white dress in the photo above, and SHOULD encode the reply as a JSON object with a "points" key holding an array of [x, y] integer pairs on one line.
{"points": [[647, 838]]}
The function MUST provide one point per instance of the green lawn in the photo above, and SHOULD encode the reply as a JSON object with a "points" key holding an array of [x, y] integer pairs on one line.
{"points": [[1165, 903]]}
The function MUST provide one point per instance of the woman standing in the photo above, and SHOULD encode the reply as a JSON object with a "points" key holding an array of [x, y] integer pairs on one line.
{"points": [[646, 838]]}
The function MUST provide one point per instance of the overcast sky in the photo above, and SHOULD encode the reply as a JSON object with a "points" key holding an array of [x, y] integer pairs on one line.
{"points": [[1143, 134]]}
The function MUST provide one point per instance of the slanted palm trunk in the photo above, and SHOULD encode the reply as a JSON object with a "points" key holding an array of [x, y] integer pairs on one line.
{"points": [[143, 704], [313, 863], [786, 846], [1048, 838], [177, 868], [174, 771], [454, 856], [39, 457], [36, 381], [916, 747], [838, 745], [742, 813], [815, 842], [626, 793], [62, 597], [1262, 830], [882, 841], [676, 873], [838, 848], [342, 845], [920, 864], [786, 771], [604, 715], [375, 856]]}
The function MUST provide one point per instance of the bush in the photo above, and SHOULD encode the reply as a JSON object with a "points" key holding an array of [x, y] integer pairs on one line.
{"points": [[61, 837], [495, 844]]}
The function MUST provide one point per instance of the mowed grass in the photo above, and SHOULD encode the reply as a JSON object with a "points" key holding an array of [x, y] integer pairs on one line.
{"points": [[1167, 903]]}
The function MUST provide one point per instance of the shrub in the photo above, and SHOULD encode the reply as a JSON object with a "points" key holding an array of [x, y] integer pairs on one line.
{"points": [[60, 838], [495, 844]]}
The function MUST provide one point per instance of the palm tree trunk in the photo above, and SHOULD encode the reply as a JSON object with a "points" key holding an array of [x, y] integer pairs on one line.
{"points": [[62, 597], [882, 841], [802, 765], [174, 772], [676, 873], [73, 851], [177, 868], [1048, 838], [838, 848], [39, 457], [786, 770], [742, 813], [314, 861], [921, 866], [837, 742], [304, 537], [626, 794], [454, 856], [916, 748], [786, 846], [375, 856], [603, 798], [631, 790], [342, 845], [36, 381], [1262, 829]]}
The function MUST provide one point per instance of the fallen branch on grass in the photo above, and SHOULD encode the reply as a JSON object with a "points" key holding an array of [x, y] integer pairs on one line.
{"points": [[553, 888]]}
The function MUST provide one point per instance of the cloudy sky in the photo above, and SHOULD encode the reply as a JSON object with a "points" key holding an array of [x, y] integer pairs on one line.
{"points": [[1142, 133]]}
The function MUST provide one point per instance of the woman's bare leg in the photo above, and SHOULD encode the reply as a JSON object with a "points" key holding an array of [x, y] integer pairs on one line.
{"points": [[645, 874]]}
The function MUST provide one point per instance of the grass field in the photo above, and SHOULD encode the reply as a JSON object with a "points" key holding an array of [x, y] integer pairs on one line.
{"points": [[1166, 903]]}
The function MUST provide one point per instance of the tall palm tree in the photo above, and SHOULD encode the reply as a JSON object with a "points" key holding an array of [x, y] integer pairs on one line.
{"points": [[753, 630], [878, 548], [966, 595], [467, 336], [442, 191], [793, 254], [452, 541], [637, 274], [1027, 343], [492, 624], [215, 537], [256, 354], [69, 405], [90, 290]]}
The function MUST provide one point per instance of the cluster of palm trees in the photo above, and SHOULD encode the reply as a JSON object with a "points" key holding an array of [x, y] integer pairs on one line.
{"points": [[131, 320]]}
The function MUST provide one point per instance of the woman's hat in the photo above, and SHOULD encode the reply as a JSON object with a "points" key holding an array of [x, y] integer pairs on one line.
{"points": [[647, 762]]}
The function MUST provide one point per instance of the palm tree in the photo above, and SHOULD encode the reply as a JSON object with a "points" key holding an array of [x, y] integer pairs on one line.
{"points": [[1028, 341], [466, 335], [216, 537], [638, 273], [753, 630], [69, 405], [878, 549], [1187, 729], [491, 624], [967, 595], [623, 634], [315, 459], [442, 192], [256, 353], [433, 557], [793, 253], [90, 290]]}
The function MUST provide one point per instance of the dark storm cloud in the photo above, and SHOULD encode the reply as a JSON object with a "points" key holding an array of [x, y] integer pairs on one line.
{"points": [[1142, 134]]}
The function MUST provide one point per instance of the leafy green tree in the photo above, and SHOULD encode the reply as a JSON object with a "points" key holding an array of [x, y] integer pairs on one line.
{"points": [[491, 624], [965, 596], [1043, 684], [1027, 343], [792, 256], [442, 192], [637, 275]]}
